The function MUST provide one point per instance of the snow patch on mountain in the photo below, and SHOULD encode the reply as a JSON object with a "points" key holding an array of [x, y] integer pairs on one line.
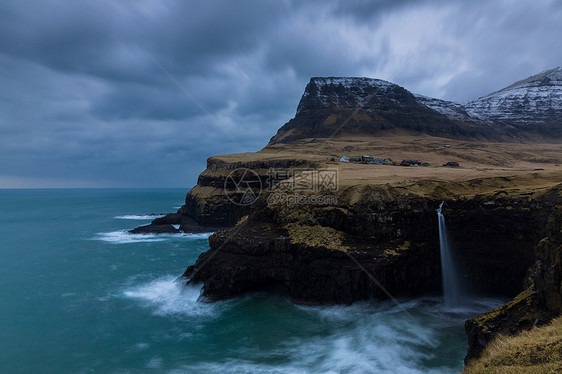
{"points": [[351, 92], [531, 100], [449, 108]]}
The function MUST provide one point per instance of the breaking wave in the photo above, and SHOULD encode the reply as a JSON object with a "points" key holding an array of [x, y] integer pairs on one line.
{"points": [[169, 297], [125, 237], [143, 217]]}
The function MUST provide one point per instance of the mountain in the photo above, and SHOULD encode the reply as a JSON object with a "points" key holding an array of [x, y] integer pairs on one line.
{"points": [[334, 106], [356, 106], [535, 101]]}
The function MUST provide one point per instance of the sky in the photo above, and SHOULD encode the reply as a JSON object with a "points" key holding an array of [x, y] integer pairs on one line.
{"points": [[139, 93]]}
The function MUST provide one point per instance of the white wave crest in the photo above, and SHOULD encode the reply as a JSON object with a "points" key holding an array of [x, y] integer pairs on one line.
{"points": [[143, 217], [125, 237], [169, 297], [201, 235]]}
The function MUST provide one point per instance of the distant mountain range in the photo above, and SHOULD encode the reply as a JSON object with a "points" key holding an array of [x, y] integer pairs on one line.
{"points": [[529, 109]]}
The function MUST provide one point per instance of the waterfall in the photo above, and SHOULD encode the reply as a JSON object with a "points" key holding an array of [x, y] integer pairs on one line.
{"points": [[451, 282]]}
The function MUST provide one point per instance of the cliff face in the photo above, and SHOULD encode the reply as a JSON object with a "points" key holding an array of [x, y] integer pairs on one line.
{"points": [[380, 239], [215, 202], [540, 301], [310, 251], [306, 251]]}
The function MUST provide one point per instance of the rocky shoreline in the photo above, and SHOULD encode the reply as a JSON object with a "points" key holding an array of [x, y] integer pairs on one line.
{"points": [[507, 242]]}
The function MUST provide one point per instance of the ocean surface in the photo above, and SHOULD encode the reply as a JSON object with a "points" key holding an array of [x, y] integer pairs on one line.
{"points": [[80, 295]]}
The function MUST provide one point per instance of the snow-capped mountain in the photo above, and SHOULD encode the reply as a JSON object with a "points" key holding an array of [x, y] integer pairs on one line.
{"points": [[535, 100], [333, 106]]}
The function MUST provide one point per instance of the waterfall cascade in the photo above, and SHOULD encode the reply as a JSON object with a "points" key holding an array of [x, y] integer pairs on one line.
{"points": [[451, 281]]}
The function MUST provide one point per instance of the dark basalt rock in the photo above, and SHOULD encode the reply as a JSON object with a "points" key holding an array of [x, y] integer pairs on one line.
{"points": [[163, 225], [255, 258], [155, 229], [209, 205], [393, 236]]}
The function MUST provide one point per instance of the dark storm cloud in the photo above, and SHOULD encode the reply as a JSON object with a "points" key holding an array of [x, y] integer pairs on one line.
{"points": [[82, 102]]}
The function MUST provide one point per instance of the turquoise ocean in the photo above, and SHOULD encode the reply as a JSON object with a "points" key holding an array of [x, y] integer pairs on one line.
{"points": [[78, 294]]}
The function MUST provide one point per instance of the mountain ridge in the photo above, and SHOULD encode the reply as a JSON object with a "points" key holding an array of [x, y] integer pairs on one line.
{"points": [[533, 78], [533, 102], [527, 108], [328, 103]]}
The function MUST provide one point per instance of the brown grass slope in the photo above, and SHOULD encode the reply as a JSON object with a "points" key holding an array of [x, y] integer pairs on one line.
{"points": [[536, 351]]}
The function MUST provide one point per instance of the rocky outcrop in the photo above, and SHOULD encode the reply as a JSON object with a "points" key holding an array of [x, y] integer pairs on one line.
{"points": [[216, 202], [173, 223]]}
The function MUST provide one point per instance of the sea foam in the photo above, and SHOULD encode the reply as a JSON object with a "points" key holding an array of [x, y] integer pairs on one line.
{"points": [[125, 237], [379, 337], [143, 217], [370, 336], [167, 296]]}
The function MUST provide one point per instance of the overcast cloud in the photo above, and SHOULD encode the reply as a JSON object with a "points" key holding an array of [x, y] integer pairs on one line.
{"points": [[83, 103]]}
